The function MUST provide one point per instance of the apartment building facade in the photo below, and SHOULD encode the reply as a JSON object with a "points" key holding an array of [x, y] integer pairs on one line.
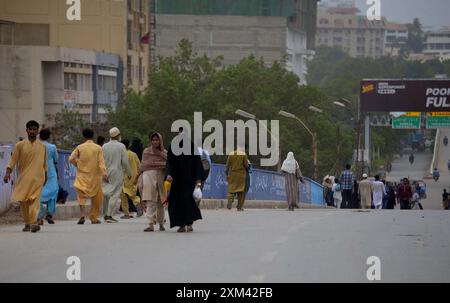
{"points": [[437, 42], [396, 36], [356, 35], [38, 81], [271, 29], [110, 26]]}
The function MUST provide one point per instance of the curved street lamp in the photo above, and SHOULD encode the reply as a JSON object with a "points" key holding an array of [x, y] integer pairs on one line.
{"points": [[313, 135]]}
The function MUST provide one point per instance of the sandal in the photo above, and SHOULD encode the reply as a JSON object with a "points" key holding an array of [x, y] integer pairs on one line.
{"points": [[181, 230], [149, 229]]}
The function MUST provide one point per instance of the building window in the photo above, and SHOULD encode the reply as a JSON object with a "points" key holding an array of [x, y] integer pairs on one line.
{"points": [[129, 34], [107, 83], [78, 82], [141, 72], [129, 70]]}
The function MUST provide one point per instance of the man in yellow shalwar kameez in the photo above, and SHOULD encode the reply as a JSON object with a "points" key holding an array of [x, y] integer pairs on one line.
{"points": [[129, 188], [236, 172], [88, 159], [30, 158]]}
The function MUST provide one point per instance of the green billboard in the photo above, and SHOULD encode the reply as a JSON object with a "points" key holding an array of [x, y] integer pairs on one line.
{"points": [[438, 120], [406, 122]]}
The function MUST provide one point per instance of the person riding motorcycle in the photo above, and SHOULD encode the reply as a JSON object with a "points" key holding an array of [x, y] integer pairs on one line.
{"points": [[436, 174], [411, 159]]}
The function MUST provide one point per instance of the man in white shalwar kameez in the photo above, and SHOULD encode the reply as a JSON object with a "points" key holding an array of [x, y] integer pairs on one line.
{"points": [[116, 162], [379, 191]]}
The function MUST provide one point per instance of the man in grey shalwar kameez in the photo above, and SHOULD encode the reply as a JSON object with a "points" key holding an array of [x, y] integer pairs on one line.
{"points": [[116, 162]]}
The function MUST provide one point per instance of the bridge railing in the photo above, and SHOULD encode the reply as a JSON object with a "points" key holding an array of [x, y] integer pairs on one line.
{"points": [[264, 185]]}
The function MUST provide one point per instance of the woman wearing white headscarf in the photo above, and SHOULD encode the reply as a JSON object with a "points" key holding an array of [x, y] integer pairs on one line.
{"points": [[292, 173]]}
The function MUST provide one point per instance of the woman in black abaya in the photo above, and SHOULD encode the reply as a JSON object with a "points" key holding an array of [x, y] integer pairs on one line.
{"points": [[185, 172]]}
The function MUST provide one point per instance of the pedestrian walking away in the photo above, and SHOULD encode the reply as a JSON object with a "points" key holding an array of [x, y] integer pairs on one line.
{"points": [[445, 141], [328, 191], [415, 200], [292, 174], [445, 202], [129, 191], [379, 191], [356, 200], [137, 147], [236, 173], [347, 186], [365, 192], [185, 171], [390, 189], [51, 187], [29, 156], [337, 193], [151, 181], [206, 163], [88, 159], [411, 159], [116, 162]]}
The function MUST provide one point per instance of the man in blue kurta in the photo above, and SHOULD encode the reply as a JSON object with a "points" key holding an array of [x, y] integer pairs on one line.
{"points": [[51, 187]]}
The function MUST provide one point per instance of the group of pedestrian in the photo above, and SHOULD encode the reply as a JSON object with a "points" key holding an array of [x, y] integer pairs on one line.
{"points": [[108, 174], [347, 192]]}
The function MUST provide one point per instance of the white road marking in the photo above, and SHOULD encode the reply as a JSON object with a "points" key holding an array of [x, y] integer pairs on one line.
{"points": [[268, 257]]}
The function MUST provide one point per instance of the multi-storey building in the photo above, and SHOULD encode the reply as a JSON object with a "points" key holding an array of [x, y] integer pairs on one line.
{"points": [[396, 36], [271, 29], [94, 59], [112, 26], [437, 42], [37, 81], [355, 34]]}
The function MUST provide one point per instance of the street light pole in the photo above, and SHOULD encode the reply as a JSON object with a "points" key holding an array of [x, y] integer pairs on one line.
{"points": [[248, 115]]}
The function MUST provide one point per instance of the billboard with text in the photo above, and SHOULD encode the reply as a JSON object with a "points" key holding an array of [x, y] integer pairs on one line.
{"points": [[394, 95]]}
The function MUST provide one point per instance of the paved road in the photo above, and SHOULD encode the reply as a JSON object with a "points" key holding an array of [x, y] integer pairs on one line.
{"points": [[251, 246], [421, 166]]}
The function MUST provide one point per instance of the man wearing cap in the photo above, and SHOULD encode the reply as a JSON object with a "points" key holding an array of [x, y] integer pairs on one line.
{"points": [[116, 161], [365, 192]]}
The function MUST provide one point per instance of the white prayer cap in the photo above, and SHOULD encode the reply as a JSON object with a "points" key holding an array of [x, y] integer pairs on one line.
{"points": [[365, 176], [114, 132]]}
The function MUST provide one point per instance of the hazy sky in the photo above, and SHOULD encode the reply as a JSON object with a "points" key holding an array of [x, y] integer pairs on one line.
{"points": [[434, 13]]}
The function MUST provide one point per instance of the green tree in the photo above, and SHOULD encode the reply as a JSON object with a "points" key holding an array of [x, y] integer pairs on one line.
{"points": [[67, 127], [187, 82], [416, 37]]}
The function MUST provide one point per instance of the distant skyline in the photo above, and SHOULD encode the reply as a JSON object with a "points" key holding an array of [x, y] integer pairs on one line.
{"points": [[432, 13]]}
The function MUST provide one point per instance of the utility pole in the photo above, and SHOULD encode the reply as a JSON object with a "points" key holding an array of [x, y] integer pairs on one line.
{"points": [[338, 150], [314, 139]]}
